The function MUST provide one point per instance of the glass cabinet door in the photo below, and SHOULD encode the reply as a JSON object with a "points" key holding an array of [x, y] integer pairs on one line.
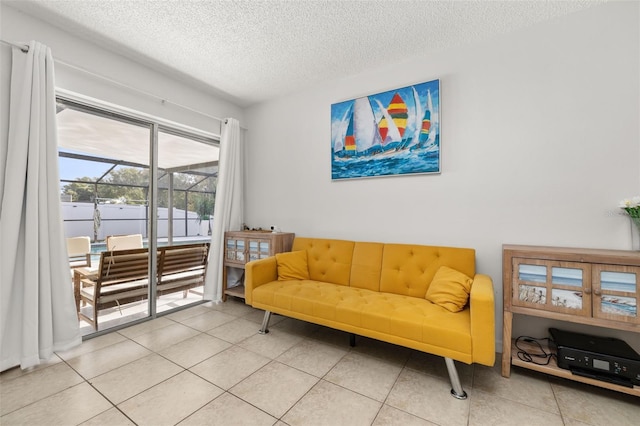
{"points": [[553, 286], [529, 283], [258, 249], [231, 249], [235, 248], [240, 249], [264, 249], [615, 290]]}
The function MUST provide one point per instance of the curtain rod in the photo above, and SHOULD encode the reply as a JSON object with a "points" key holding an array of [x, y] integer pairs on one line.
{"points": [[25, 49]]}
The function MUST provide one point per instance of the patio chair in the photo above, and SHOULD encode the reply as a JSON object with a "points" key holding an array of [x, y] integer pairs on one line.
{"points": [[79, 251], [124, 242]]}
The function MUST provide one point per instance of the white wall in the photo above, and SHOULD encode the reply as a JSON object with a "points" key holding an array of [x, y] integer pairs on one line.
{"points": [[540, 140], [67, 49]]}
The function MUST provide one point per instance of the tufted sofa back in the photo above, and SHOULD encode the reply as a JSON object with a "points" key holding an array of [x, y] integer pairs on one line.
{"points": [[408, 269], [405, 269], [329, 260]]}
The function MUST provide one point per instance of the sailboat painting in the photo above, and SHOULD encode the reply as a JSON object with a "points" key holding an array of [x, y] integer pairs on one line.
{"points": [[391, 133]]}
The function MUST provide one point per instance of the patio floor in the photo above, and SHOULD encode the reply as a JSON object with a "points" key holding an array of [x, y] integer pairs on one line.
{"points": [[112, 317]]}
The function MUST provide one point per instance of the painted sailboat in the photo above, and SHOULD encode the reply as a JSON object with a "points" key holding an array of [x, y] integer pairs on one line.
{"points": [[399, 113], [350, 139], [386, 127], [366, 130], [418, 116], [341, 131], [392, 125], [361, 133], [427, 134]]}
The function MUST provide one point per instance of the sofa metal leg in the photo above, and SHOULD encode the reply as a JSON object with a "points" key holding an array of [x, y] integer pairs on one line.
{"points": [[456, 387], [265, 323], [352, 340]]}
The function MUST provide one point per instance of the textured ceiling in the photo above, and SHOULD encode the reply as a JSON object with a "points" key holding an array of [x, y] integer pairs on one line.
{"points": [[251, 51]]}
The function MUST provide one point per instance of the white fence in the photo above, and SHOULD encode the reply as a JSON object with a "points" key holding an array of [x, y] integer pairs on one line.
{"points": [[120, 219]]}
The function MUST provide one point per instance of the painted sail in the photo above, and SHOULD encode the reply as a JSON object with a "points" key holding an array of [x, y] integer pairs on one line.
{"points": [[364, 124], [341, 131], [398, 111], [425, 127], [418, 116], [386, 127], [349, 138], [427, 124], [383, 128], [425, 131]]}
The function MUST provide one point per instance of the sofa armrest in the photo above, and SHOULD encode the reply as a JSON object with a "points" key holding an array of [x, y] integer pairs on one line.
{"points": [[257, 273], [482, 307]]}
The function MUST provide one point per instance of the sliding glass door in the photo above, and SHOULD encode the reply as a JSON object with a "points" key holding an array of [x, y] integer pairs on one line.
{"points": [[186, 182], [130, 188]]}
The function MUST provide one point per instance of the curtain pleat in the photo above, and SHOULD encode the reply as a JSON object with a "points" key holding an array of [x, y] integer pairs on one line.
{"points": [[228, 212], [37, 307]]}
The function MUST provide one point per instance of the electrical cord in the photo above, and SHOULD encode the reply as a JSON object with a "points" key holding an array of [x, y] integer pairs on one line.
{"points": [[528, 355]]}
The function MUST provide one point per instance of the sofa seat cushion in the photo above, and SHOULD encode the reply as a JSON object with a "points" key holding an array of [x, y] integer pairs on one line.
{"points": [[397, 315]]}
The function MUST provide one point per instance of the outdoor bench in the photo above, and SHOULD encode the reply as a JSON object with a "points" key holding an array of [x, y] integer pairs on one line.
{"points": [[123, 276]]}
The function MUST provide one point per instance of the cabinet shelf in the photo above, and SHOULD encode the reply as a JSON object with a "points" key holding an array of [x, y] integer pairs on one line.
{"points": [[552, 369], [237, 291]]}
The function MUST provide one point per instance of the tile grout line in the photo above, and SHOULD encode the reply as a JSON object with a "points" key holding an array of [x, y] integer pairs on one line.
{"points": [[183, 369], [545, 410], [226, 391], [152, 352], [289, 366], [99, 392], [404, 365], [404, 368], [45, 397], [555, 398]]}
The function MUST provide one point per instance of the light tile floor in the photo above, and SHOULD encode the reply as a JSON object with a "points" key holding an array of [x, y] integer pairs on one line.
{"points": [[207, 365]]}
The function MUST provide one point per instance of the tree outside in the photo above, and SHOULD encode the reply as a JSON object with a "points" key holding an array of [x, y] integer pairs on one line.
{"points": [[204, 207], [129, 185]]}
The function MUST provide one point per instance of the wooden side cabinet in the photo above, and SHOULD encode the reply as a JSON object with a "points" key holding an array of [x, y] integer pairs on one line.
{"points": [[587, 286], [241, 247]]}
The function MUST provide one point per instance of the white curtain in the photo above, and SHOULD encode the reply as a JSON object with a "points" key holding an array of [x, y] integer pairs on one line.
{"points": [[37, 307], [228, 213]]}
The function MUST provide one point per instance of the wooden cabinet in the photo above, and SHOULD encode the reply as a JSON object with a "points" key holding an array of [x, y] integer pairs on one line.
{"points": [[587, 286], [241, 247]]}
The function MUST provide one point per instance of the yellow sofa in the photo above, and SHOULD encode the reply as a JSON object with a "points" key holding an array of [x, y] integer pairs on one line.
{"points": [[378, 290]]}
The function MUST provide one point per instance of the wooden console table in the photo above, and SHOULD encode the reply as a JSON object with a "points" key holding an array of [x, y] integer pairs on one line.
{"points": [[586, 286]]}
